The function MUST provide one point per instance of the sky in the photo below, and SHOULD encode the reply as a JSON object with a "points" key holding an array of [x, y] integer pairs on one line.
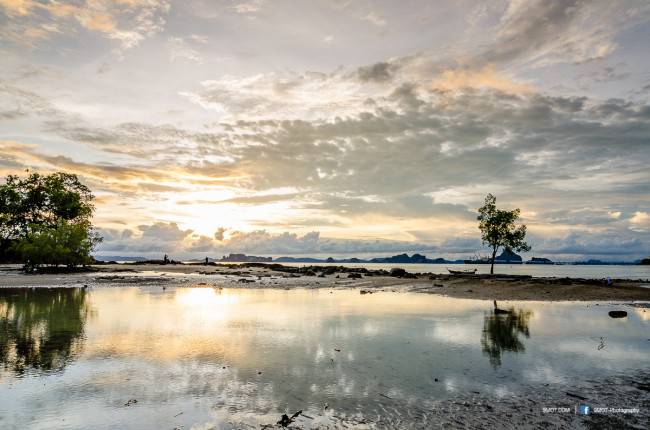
{"points": [[336, 127]]}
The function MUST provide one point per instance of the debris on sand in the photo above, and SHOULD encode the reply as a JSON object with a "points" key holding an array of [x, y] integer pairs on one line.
{"points": [[131, 402], [285, 420], [617, 314]]}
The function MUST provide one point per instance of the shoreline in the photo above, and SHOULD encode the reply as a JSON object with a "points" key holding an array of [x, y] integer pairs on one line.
{"points": [[260, 275]]}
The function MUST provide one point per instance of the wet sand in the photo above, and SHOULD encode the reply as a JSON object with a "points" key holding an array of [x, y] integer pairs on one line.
{"points": [[497, 287]]}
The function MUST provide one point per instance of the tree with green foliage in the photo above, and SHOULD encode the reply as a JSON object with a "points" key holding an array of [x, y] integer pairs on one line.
{"points": [[66, 244], [46, 220], [498, 229]]}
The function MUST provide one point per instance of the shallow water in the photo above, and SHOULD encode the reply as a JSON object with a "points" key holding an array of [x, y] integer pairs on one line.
{"points": [[211, 358]]}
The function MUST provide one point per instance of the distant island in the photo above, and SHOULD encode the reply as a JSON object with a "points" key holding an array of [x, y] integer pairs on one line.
{"points": [[506, 257], [395, 259], [538, 260], [606, 263], [243, 258]]}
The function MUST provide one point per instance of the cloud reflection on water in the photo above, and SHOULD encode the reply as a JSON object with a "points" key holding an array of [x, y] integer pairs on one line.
{"points": [[252, 353]]}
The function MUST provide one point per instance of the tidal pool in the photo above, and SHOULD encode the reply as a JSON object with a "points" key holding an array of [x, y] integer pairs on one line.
{"points": [[202, 358]]}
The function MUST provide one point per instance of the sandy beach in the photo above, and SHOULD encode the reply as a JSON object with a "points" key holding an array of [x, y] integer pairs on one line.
{"points": [[254, 275]]}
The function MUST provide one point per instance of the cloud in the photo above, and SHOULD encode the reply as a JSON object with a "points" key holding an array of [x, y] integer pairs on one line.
{"points": [[180, 49], [385, 158], [408, 145], [640, 221], [169, 238], [543, 33], [610, 245], [378, 72], [134, 180], [127, 21], [17, 103], [289, 94], [344, 91], [164, 232], [17, 7], [249, 7], [374, 19], [220, 234], [486, 77]]}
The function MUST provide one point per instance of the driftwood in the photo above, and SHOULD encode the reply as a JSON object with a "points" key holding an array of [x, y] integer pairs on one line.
{"points": [[285, 420]]}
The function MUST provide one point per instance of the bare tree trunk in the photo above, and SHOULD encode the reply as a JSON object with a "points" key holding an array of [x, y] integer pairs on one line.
{"points": [[494, 254]]}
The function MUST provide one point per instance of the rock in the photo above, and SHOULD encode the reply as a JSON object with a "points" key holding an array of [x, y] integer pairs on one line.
{"points": [[397, 272], [355, 276], [617, 314]]}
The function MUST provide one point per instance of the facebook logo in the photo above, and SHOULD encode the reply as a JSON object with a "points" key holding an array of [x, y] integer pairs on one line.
{"points": [[583, 409]]}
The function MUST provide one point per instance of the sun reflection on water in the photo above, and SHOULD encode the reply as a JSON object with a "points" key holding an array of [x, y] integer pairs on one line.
{"points": [[212, 298]]}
